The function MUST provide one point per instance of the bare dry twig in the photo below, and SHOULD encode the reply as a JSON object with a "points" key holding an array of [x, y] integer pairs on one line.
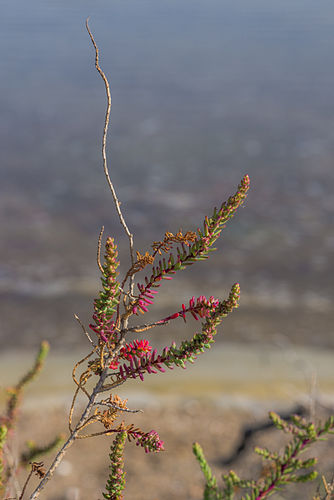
{"points": [[99, 250], [104, 155], [113, 405], [84, 329]]}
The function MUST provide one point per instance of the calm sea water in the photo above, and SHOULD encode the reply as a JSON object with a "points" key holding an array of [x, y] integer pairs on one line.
{"points": [[203, 92]]}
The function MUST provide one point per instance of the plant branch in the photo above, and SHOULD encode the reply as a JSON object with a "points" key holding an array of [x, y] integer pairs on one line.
{"points": [[112, 405], [98, 257], [73, 436], [26, 484], [104, 155], [147, 326], [84, 329]]}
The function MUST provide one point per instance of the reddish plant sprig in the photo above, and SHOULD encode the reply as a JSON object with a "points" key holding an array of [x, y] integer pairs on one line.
{"points": [[104, 327], [199, 249], [201, 308], [213, 226], [150, 441], [153, 362], [144, 300]]}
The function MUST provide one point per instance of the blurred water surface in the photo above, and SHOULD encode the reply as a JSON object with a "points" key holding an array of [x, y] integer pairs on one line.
{"points": [[203, 92]]}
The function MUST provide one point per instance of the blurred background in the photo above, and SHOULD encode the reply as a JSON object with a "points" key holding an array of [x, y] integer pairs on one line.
{"points": [[203, 93]]}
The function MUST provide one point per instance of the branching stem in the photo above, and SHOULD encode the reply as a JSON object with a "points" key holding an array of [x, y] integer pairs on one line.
{"points": [[113, 405], [73, 436]]}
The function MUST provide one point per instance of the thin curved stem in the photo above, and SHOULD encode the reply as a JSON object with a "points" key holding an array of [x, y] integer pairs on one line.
{"points": [[104, 155]]}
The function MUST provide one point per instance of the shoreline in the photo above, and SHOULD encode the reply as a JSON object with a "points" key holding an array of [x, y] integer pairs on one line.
{"points": [[231, 375]]}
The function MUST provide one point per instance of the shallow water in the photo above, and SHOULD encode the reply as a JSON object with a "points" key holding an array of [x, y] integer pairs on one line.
{"points": [[202, 94]]}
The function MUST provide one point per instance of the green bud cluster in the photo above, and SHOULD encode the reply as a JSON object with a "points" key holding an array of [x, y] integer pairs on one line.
{"points": [[116, 481]]}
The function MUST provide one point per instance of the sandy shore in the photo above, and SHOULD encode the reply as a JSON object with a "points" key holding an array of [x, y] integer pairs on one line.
{"points": [[210, 402]]}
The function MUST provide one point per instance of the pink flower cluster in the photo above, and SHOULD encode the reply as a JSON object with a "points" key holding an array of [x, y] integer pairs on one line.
{"points": [[137, 349]]}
